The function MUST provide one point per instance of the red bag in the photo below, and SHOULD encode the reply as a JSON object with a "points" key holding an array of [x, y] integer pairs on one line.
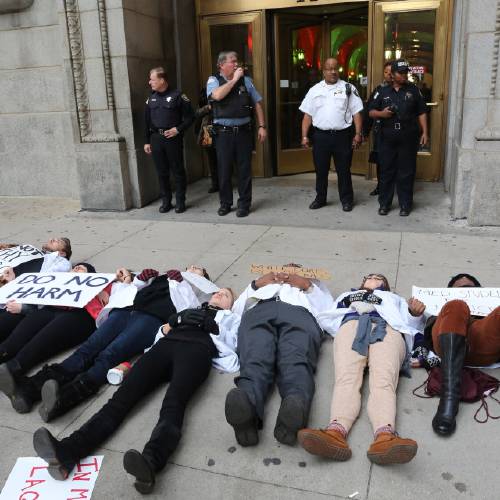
{"points": [[476, 385]]}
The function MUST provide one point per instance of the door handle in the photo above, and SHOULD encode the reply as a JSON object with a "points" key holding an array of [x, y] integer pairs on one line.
{"points": [[432, 104]]}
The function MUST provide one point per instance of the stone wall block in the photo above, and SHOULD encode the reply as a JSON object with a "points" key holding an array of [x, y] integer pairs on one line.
{"points": [[96, 86], [91, 35], [463, 183], [147, 38], [120, 82], [150, 9], [41, 13], [116, 32], [474, 118], [479, 59], [481, 16]]}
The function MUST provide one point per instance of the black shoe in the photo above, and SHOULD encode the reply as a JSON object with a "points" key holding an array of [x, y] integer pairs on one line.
{"points": [[383, 210], [347, 207], [404, 212], [165, 207], [137, 465], [51, 450], [242, 212], [180, 208], [317, 204], [292, 417], [224, 210], [374, 192], [241, 415], [453, 349], [213, 189]]}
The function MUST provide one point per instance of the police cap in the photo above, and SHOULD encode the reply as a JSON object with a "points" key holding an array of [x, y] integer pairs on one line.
{"points": [[400, 66]]}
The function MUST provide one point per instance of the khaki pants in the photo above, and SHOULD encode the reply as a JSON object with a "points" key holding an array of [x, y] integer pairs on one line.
{"points": [[384, 361]]}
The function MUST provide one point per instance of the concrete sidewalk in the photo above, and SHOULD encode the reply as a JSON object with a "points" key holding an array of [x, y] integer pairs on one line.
{"points": [[209, 464]]}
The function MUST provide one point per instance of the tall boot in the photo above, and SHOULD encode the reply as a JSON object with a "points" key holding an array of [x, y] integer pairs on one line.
{"points": [[58, 400], [10, 373], [452, 360]]}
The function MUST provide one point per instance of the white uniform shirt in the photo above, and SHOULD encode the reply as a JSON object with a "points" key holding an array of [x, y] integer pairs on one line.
{"points": [[316, 299], [329, 106], [54, 263], [393, 309]]}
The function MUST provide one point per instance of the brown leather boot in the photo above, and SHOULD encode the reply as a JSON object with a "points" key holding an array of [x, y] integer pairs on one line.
{"points": [[325, 443], [389, 448]]}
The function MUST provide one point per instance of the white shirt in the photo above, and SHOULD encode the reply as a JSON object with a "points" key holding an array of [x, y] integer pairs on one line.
{"points": [[54, 263], [329, 106], [393, 309], [316, 299], [226, 342]]}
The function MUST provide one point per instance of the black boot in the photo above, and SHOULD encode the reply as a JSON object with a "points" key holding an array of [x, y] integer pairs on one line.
{"points": [[54, 453], [241, 415], [166, 206], [57, 400], [292, 416], [138, 465], [452, 360]]}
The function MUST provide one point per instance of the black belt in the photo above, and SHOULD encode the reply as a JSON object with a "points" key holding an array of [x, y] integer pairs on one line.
{"points": [[399, 125], [333, 131], [276, 298], [161, 131], [234, 129]]}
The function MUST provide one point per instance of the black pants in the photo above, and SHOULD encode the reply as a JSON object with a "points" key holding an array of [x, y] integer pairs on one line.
{"points": [[234, 146], [276, 337], [185, 365], [336, 144], [398, 165], [168, 155], [46, 332], [8, 322], [212, 165]]}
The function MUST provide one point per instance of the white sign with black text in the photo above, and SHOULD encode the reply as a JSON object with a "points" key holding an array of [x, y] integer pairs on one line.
{"points": [[12, 257]]}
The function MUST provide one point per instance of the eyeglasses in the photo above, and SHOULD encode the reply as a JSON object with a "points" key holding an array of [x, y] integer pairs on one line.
{"points": [[374, 277]]}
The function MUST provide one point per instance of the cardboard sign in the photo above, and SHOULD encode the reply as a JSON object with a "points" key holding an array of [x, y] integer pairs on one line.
{"points": [[12, 257], [305, 272], [30, 480], [481, 301], [55, 289]]}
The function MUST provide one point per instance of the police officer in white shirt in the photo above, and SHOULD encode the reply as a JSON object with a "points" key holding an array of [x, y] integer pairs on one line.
{"points": [[330, 107]]}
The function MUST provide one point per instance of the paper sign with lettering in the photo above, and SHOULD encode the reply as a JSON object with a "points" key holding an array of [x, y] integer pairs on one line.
{"points": [[29, 480], [481, 301], [305, 272], [55, 289], [12, 257]]}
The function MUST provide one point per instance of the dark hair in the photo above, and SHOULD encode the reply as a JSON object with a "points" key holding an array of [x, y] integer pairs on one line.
{"points": [[160, 72], [463, 275], [67, 248], [387, 288], [205, 275], [90, 268], [388, 63]]}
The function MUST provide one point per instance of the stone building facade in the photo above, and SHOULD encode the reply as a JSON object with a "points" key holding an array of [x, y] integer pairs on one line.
{"points": [[73, 81]]}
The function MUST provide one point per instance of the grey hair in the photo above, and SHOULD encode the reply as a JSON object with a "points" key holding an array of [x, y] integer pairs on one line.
{"points": [[221, 58]]}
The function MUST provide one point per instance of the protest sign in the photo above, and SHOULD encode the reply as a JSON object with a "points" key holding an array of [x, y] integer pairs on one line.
{"points": [[12, 257], [305, 272], [55, 289], [30, 480], [481, 301]]}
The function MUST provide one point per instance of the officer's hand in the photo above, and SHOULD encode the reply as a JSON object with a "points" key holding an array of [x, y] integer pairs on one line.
{"points": [[305, 142], [13, 307], [356, 141], [238, 74], [424, 139], [416, 307], [386, 113], [262, 134], [171, 132], [147, 149], [266, 279]]}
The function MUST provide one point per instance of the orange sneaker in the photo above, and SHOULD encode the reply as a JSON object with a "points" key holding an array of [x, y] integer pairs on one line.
{"points": [[389, 448], [325, 443]]}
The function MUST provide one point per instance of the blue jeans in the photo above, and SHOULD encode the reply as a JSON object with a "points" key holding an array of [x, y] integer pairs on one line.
{"points": [[123, 335]]}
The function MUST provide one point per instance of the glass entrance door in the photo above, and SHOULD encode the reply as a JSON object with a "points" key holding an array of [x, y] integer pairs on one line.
{"points": [[304, 38], [416, 30]]}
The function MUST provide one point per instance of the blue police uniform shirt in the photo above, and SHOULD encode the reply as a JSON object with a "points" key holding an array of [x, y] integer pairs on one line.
{"points": [[213, 83]]}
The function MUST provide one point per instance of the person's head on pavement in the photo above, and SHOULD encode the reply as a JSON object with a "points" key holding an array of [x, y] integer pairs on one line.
{"points": [[60, 245], [463, 280]]}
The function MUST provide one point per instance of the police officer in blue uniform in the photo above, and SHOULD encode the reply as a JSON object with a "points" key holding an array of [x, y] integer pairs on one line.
{"points": [[168, 114], [402, 111], [233, 98]]}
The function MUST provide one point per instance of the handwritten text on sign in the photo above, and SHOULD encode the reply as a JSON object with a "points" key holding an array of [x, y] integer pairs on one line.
{"points": [[30, 480], [55, 289], [305, 272], [12, 257], [481, 301]]}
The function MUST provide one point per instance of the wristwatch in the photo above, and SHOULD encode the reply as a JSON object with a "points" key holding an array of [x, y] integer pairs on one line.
{"points": [[262, 126]]}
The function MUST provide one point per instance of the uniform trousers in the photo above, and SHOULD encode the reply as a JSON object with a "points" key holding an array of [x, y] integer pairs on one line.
{"points": [[384, 361], [46, 332], [276, 338], [8, 321], [234, 146], [123, 335], [336, 144], [186, 365], [398, 162], [168, 156], [483, 335]]}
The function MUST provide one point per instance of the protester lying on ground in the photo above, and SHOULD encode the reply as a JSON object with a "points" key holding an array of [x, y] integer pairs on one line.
{"points": [[279, 334], [372, 327], [460, 338], [125, 333], [44, 333], [189, 343], [56, 259]]}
